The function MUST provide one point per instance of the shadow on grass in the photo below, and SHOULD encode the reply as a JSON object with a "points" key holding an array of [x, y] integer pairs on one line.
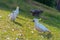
{"points": [[21, 18], [17, 23], [48, 36]]}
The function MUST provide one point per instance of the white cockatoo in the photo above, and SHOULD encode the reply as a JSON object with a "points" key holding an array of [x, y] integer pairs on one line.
{"points": [[40, 27], [14, 14]]}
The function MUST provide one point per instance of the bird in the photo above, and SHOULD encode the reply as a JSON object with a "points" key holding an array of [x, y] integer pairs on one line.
{"points": [[36, 12], [14, 14], [40, 27]]}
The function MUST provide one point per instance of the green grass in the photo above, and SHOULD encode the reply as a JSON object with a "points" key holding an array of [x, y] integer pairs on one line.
{"points": [[24, 25]]}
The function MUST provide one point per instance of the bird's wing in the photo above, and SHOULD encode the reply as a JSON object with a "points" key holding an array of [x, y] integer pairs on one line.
{"points": [[42, 27]]}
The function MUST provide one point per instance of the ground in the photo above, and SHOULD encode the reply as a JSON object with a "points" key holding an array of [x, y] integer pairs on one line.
{"points": [[23, 27]]}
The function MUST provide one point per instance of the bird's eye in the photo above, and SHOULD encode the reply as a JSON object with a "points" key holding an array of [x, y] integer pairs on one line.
{"points": [[33, 21]]}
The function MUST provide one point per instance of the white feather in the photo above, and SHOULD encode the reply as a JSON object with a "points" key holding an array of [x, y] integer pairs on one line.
{"points": [[39, 26], [14, 14]]}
